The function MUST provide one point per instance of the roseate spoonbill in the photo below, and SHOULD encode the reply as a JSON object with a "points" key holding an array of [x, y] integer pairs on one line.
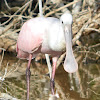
{"points": [[49, 36]]}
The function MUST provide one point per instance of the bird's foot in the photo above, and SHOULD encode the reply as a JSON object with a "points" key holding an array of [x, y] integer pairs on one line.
{"points": [[28, 73], [52, 85]]}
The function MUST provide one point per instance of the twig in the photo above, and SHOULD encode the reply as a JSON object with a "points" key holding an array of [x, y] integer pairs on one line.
{"points": [[84, 3], [93, 91], [16, 12], [5, 72], [19, 16], [2, 56], [60, 59], [78, 35], [90, 53], [94, 45], [9, 72], [52, 12], [35, 7], [22, 7], [26, 7], [92, 29], [95, 79], [7, 4], [30, 6], [6, 21], [10, 33], [3, 78]]}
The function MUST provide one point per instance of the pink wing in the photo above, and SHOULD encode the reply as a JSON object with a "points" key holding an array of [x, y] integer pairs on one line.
{"points": [[30, 38]]}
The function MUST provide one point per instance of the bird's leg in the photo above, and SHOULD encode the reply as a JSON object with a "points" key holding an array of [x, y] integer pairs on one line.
{"points": [[48, 64], [52, 84], [28, 73]]}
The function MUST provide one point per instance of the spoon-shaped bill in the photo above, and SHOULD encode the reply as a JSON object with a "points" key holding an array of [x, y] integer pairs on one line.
{"points": [[70, 64]]}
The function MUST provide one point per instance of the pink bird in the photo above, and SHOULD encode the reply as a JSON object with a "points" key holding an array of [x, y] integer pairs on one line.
{"points": [[48, 36]]}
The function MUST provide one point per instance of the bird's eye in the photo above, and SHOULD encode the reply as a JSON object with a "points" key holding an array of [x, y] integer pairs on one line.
{"points": [[62, 22]]}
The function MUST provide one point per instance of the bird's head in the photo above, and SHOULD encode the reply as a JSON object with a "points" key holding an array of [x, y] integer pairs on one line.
{"points": [[70, 64], [66, 19], [66, 22]]}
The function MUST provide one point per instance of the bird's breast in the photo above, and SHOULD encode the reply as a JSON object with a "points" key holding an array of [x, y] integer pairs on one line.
{"points": [[56, 38], [58, 46], [53, 43]]}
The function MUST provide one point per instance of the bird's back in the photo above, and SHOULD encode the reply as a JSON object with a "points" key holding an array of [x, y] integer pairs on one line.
{"points": [[38, 32], [31, 34]]}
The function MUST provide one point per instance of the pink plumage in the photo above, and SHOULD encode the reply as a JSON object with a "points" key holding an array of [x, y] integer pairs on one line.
{"points": [[49, 36]]}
